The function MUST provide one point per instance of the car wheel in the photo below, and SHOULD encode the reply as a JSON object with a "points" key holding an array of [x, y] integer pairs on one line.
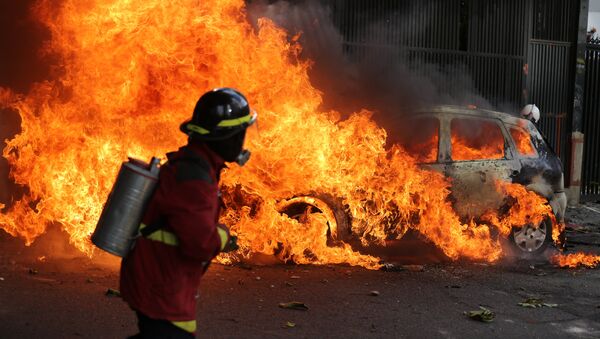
{"points": [[531, 240], [331, 208]]}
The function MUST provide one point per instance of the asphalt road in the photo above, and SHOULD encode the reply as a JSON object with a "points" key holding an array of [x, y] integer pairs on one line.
{"points": [[63, 296]]}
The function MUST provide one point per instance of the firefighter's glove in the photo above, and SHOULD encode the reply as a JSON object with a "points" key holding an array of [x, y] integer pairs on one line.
{"points": [[228, 242], [231, 245]]}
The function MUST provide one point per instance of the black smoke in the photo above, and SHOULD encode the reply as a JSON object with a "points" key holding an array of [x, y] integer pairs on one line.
{"points": [[383, 78]]}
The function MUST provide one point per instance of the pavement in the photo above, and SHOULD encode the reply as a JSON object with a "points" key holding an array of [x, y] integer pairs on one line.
{"points": [[49, 290]]}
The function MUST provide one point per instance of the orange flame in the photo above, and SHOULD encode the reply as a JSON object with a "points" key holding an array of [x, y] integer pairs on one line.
{"points": [[472, 140], [131, 72], [523, 142], [574, 260]]}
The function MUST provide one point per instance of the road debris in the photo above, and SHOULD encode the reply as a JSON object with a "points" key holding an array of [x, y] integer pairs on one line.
{"points": [[400, 268], [483, 315], [244, 266], [414, 268], [535, 303], [290, 324], [33, 271], [111, 292], [453, 286], [294, 305], [295, 277], [374, 293]]}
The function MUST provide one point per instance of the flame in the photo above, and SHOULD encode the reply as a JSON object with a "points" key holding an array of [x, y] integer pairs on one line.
{"points": [[472, 140], [574, 260], [131, 71], [522, 141], [525, 208]]}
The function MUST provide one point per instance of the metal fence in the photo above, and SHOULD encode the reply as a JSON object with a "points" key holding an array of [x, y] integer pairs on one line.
{"points": [[590, 179], [516, 51]]}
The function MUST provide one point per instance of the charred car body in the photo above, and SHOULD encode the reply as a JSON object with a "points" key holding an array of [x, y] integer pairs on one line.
{"points": [[474, 148]]}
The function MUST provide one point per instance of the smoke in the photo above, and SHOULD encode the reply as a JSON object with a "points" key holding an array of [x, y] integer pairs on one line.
{"points": [[21, 40], [385, 79], [22, 64]]}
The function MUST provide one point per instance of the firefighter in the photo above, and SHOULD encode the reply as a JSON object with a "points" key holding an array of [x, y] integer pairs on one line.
{"points": [[531, 112], [179, 234]]}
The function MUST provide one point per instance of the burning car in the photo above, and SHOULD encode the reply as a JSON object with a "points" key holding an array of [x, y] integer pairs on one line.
{"points": [[474, 149]]}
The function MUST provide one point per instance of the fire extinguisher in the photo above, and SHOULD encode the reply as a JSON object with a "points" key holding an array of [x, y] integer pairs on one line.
{"points": [[125, 206]]}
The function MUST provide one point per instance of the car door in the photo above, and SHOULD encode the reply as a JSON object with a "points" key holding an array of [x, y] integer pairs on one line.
{"points": [[477, 153]]}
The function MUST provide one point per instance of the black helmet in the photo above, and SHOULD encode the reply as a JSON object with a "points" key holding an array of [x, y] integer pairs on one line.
{"points": [[219, 114]]}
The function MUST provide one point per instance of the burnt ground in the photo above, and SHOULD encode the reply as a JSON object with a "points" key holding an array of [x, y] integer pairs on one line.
{"points": [[63, 296]]}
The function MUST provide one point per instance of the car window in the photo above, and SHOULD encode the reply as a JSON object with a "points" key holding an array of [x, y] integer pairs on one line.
{"points": [[420, 139], [522, 140], [476, 139]]}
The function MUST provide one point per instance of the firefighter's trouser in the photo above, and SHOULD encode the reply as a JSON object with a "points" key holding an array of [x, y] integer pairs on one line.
{"points": [[159, 329]]}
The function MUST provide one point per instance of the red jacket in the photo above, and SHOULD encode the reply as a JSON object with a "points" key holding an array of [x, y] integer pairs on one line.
{"points": [[160, 276]]}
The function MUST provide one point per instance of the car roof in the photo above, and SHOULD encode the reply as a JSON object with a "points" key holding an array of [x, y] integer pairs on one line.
{"points": [[472, 111]]}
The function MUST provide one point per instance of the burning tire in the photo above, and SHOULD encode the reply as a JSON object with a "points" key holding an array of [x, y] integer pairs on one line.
{"points": [[531, 240], [337, 219]]}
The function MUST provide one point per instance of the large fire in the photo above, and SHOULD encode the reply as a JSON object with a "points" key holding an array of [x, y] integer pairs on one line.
{"points": [[131, 72]]}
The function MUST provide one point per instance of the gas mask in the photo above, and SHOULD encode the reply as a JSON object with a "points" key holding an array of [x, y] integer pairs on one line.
{"points": [[232, 148]]}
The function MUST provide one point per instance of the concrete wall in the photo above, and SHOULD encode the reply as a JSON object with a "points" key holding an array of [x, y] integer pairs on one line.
{"points": [[594, 16]]}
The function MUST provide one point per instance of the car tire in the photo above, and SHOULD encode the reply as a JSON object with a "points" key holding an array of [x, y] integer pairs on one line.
{"points": [[529, 241], [296, 205]]}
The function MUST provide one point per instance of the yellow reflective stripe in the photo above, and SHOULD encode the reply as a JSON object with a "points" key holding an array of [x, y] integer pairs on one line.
{"points": [[236, 121], [162, 236], [224, 123], [224, 237], [188, 326], [197, 129]]}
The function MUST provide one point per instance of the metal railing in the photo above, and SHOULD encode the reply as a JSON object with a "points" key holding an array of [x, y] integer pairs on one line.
{"points": [[515, 51], [590, 178]]}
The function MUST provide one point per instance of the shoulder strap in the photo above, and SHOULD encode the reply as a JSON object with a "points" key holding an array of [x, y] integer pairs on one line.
{"points": [[192, 167]]}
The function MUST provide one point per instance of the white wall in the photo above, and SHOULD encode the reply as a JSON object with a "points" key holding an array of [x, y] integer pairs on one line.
{"points": [[594, 15], [594, 20]]}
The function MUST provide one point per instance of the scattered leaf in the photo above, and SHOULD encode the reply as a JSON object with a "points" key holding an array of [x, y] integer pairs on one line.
{"points": [[287, 283], [294, 305], [374, 293], [111, 292], [295, 277], [535, 303], [483, 315], [290, 324]]}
